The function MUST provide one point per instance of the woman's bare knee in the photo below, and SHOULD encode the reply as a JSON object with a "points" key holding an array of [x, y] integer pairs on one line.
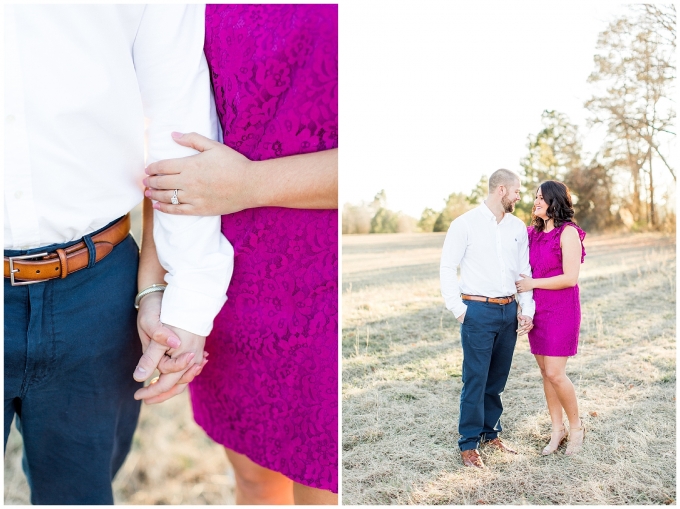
{"points": [[257, 484], [555, 370], [305, 495], [555, 375], [541, 364]]}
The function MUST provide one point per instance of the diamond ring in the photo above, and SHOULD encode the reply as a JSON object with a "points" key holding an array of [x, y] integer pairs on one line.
{"points": [[174, 200]]}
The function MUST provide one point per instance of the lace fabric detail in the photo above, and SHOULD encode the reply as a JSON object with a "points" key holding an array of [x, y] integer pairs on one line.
{"points": [[275, 74], [271, 389], [558, 312], [548, 266]]}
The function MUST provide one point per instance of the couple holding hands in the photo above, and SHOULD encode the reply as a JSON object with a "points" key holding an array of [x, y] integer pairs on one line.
{"points": [[255, 288], [498, 257]]}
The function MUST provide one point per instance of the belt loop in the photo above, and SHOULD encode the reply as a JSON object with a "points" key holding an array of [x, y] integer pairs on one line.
{"points": [[91, 251], [64, 262]]}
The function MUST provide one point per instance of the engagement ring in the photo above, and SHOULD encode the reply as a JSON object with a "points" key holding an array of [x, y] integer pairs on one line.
{"points": [[174, 199]]}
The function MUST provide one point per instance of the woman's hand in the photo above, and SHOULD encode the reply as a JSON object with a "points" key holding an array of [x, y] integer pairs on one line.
{"points": [[211, 183], [156, 339], [177, 368], [525, 284], [164, 351], [220, 181]]}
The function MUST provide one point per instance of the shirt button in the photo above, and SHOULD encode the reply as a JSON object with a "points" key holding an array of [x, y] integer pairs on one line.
{"points": [[10, 119], [18, 194]]}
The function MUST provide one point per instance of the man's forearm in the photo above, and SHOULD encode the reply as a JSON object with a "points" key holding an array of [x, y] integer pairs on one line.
{"points": [[452, 255], [448, 277], [174, 82]]}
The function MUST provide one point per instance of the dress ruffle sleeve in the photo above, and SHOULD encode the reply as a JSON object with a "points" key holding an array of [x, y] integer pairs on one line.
{"points": [[581, 236], [553, 238]]}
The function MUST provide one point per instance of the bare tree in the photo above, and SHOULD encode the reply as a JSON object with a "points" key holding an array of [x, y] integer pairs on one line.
{"points": [[635, 72]]}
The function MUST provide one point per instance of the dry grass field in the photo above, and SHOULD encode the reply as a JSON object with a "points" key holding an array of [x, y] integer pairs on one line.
{"points": [[172, 461], [402, 380]]}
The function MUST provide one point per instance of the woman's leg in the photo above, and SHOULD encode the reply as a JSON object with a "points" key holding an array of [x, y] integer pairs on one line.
{"points": [[558, 432], [555, 368], [555, 371], [554, 405], [304, 495], [257, 485]]}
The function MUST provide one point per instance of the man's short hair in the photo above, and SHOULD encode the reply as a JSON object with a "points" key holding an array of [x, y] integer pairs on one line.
{"points": [[502, 178]]}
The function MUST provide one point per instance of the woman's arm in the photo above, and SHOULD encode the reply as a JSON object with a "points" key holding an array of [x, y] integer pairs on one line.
{"points": [[304, 181], [571, 265], [149, 324], [150, 270], [165, 339], [220, 181]]}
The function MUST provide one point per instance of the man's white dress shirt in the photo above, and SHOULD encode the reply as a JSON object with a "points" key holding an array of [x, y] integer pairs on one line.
{"points": [[491, 256], [79, 82]]}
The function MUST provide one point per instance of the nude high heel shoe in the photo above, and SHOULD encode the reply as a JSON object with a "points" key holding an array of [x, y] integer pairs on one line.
{"points": [[549, 450], [574, 449]]}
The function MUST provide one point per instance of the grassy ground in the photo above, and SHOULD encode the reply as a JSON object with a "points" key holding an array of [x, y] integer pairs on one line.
{"points": [[402, 381], [172, 461]]}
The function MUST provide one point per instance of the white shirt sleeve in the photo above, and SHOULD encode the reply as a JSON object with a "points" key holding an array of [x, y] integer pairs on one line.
{"points": [[174, 83], [452, 254], [526, 299]]}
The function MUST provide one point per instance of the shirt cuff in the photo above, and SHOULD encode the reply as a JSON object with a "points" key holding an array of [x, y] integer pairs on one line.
{"points": [[458, 308], [528, 306], [190, 310]]}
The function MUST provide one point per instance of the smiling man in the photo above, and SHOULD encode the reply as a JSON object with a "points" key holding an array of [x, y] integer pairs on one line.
{"points": [[491, 247]]}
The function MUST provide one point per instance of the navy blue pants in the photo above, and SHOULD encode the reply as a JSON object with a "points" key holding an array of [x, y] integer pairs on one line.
{"points": [[71, 346], [488, 335]]}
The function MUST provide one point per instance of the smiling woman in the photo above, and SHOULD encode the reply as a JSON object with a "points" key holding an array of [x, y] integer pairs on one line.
{"points": [[556, 254]]}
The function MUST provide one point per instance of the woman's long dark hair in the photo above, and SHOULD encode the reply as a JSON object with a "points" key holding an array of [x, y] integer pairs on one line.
{"points": [[556, 195]]}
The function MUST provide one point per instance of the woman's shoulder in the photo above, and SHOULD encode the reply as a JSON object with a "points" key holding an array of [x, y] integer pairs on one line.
{"points": [[572, 232], [572, 229]]}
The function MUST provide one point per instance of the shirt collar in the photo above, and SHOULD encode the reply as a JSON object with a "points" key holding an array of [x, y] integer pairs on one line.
{"points": [[490, 215], [487, 212]]}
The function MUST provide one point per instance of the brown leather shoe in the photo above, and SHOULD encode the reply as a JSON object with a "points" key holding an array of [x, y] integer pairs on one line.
{"points": [[471, 458], [497, 443]]}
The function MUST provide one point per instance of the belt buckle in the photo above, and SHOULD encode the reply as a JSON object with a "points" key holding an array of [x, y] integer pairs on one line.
{"points": [[12, 270]]}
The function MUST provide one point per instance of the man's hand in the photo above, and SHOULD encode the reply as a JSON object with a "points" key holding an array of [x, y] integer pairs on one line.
{"points": [[462, 317], [526, 323]]}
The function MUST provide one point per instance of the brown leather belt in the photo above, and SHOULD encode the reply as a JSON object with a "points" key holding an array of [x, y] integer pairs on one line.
{"points": [[492, 300], [29, 269]]}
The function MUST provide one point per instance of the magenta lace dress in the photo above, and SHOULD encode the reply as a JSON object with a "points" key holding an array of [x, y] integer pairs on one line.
{"points": [[558, 312], [270, 390]]}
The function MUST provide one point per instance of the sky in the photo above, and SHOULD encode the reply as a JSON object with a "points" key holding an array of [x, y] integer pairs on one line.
{"points": [[434, 95]]}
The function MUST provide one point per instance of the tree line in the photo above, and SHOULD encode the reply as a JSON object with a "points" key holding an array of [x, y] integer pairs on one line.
{"points": [[633, 86]]}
